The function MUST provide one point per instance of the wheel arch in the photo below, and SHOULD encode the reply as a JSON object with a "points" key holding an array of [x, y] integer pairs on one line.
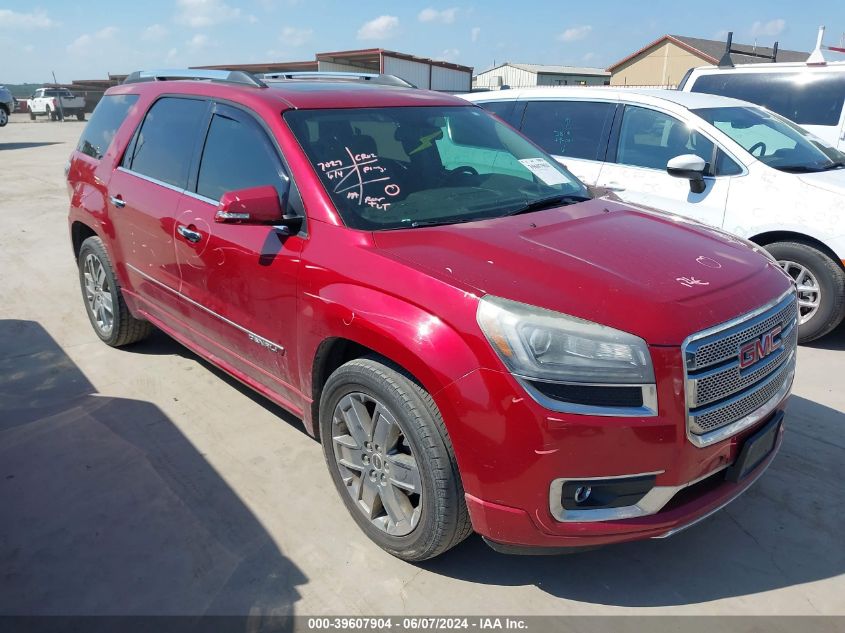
{"points": [[770, 237], [361, 322], [79, 232]]}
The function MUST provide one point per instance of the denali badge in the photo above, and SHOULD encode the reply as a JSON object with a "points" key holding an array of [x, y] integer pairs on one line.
{"points": [[263, 342], [758, 349]]}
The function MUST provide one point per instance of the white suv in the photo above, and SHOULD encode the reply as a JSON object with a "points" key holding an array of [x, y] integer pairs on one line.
{"points": [[721, 161], [813, 96]]}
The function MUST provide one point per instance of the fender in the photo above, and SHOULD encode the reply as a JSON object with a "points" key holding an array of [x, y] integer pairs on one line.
{"points": [[432, 350]]}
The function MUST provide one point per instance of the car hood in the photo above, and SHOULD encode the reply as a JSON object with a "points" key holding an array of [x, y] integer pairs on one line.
{"points": [[655, 275], [833, 180]]}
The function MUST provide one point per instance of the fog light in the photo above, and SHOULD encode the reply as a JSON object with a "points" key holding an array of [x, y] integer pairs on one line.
{"points": [[618, 492], [582, 493]]}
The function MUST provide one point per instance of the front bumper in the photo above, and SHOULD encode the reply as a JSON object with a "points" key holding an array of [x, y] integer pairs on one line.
{"points": [[511, 451]]}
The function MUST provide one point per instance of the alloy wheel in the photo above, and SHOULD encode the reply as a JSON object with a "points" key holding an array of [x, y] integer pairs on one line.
{"points": [[98, 294], [809, 291], [377, 464]]}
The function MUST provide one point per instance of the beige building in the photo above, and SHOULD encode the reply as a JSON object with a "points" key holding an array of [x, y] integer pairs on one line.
{"points": [[666, 60]]}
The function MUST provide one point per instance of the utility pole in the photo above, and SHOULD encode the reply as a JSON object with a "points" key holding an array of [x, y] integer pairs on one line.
{"points": [[59, 100]]}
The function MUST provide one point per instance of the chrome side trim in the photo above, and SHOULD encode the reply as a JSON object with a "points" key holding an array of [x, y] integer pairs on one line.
{"points": [[197, 196], [721, 506], [647, 410], [155, 181], [255, 338], [653, 501]]}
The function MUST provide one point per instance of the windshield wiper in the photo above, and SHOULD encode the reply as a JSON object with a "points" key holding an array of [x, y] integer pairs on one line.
{"points": [[834, 165], [546, 203], [419, 223], [798, 169]]}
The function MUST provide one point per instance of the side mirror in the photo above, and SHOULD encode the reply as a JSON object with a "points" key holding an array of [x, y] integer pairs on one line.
{"points": [[689, 167], [257, 205]]}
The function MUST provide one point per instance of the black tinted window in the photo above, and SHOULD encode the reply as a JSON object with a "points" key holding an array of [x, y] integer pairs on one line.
{"points": [[576, 129], [166, 141], [725, 165], [806, 98], [104, 123], [502, 109], [236, 156]]}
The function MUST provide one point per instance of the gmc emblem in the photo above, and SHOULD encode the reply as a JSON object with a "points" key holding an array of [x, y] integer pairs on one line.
{"points": [[758, 349]]}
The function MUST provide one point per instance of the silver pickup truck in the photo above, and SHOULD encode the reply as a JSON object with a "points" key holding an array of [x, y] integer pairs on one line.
{"points": [[56, 103]]}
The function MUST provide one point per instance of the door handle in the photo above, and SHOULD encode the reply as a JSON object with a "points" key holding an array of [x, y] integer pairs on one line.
{"points": [[189, 234], [117, 201]]}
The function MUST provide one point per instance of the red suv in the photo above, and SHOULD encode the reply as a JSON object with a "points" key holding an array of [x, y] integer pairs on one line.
{"points": [[478, 342]]}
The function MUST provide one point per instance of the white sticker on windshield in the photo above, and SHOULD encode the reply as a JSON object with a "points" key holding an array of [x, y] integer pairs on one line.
{"points": [[541, 168]]}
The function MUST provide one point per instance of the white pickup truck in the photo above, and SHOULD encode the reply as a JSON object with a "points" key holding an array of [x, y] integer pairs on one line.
{"points": [[56, 103]]}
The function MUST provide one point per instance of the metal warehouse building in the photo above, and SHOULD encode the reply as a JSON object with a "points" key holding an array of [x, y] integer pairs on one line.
{"points": [[420, 71], [529, 75]]}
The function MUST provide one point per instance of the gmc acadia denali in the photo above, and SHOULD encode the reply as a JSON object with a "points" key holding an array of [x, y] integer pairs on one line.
{"points": [[477, 341]]}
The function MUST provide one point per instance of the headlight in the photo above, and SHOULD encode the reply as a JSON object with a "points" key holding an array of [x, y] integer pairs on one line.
{"points": [[544, 345]]}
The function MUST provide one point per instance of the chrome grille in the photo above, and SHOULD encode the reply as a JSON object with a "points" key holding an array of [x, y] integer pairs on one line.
{"points": [[726, 344], [721, 396]]}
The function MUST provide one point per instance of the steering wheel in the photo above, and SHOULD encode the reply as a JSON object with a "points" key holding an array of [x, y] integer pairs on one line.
{"points": [[459, 172], [760, 145]]}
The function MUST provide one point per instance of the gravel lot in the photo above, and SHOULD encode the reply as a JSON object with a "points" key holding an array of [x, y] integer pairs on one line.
{"points": [[144, 481]]}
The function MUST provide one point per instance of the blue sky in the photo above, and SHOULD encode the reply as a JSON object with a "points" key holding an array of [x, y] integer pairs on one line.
{"points": [[81, 39]]}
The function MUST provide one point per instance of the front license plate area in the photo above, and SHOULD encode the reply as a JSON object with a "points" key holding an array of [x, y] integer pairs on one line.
{"points": [[755, 449]]}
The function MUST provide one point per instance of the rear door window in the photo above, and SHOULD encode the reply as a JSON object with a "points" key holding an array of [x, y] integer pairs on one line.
{"points": [[165, 145], [107, 118], [232, 135], [808, 98], [573, 129]]}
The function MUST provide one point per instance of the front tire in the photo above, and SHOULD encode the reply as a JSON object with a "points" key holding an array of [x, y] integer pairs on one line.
{"points": [[391, 459], [4, 117], [107, 311], [821, 287], [31, 115]]}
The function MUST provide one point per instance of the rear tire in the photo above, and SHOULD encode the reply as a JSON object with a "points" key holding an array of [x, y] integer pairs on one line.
{"points": [[821, 287], [50, 114], [104, 303], [80, 116], [4, 117], [413, 473]]}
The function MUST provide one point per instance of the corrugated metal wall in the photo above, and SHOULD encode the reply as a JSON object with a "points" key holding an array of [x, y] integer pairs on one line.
{"points": [[415, 72], [544, 79], [334, 67], [450, 79], [510, 76]]}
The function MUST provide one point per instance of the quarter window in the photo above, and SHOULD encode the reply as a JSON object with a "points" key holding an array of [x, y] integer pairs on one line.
{"points": [[649, 138], [237, 155], [573, 129], [502, 109], [165, 144], [106, 119]]}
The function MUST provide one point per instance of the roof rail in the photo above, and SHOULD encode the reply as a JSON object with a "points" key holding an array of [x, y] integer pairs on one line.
{"points": [[223, 76], [376, 78], [727, 62]]}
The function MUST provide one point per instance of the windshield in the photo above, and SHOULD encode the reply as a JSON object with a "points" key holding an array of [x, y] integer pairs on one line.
{"points": [[388, 168], [773, 140]]}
